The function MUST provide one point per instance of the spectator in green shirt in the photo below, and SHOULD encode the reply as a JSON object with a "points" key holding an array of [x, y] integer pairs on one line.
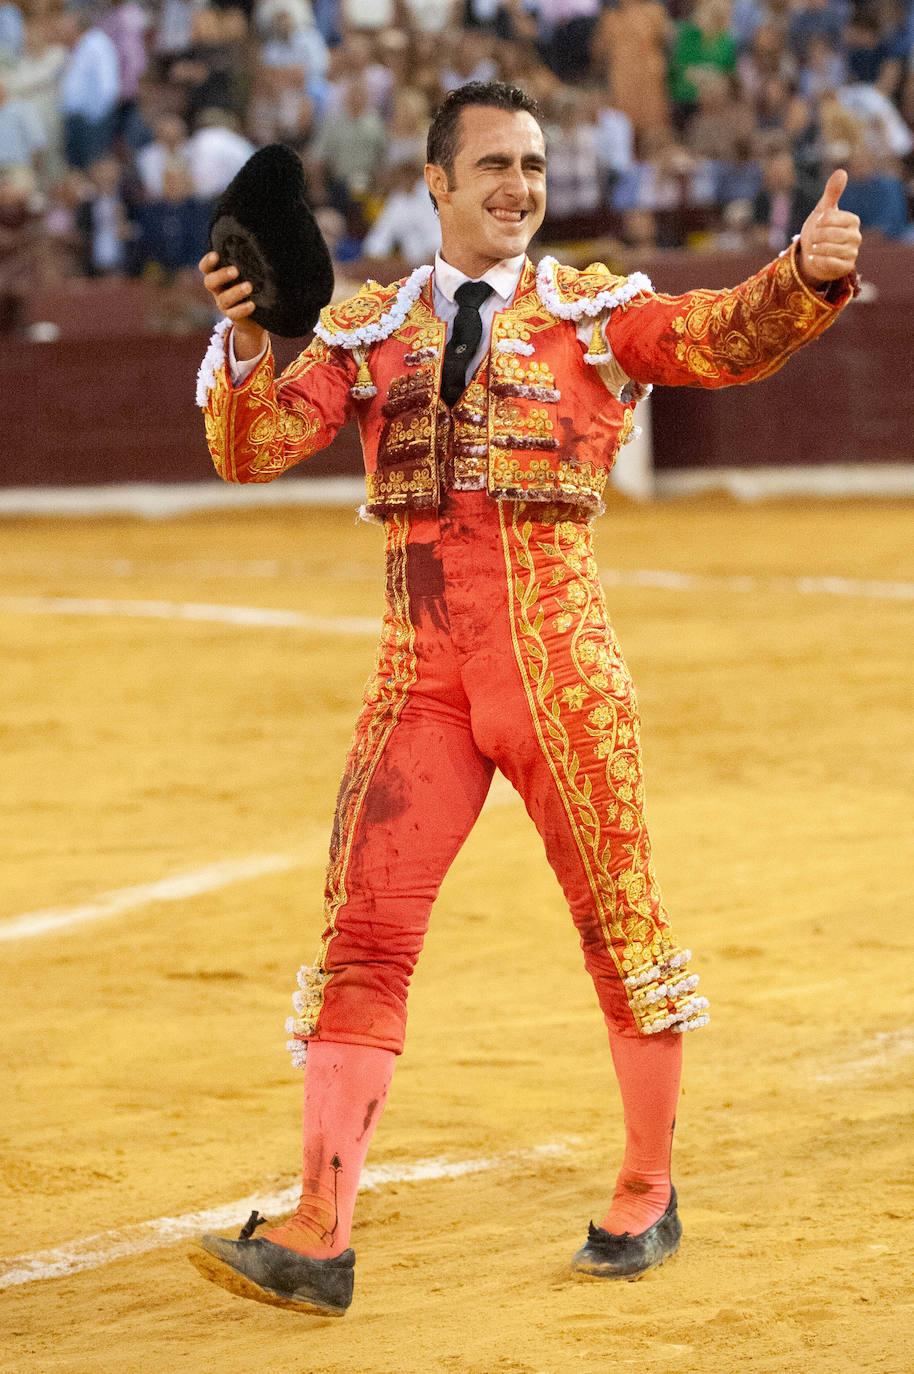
{"points": [[702, 42]]}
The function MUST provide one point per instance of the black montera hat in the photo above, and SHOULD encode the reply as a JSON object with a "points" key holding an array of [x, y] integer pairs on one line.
{"points": [[262, 225]]}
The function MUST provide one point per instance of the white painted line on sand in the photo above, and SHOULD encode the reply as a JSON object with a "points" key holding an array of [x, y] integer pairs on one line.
{"points": [[263, 617], [758, 484], [210, 878], [194, 883], [160, 500], [267, 617], [665, 580], [887, 1047], [94, 1251]]}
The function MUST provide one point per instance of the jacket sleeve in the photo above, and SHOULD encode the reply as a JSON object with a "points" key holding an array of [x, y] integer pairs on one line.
{"points": [[264, 425], [723, 338]]}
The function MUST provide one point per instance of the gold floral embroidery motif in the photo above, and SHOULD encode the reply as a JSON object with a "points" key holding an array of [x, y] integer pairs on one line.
{"points": [[583, 285], [316, 352], [385, 697], [270, 432], [267, 437], [527, 314], [215, 418], [589, 733], [750, 329], [422, 330], [364, 308]]}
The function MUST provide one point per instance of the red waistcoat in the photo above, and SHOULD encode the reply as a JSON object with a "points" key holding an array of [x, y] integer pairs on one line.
{"points": [[535, 421]]}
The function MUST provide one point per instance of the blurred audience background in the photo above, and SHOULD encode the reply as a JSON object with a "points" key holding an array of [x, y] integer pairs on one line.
{"points": [[711, 124]]}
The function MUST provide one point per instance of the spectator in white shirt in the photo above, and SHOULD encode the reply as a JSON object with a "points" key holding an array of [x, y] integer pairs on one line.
{"points": [[103, 221], [614, 142], [22, 138], [886, 133], [35, 80], [433, 16], [407, 225], [89, 91], [370, 15], [165, 155], [216, 153], [295, 50], [573, 168]]}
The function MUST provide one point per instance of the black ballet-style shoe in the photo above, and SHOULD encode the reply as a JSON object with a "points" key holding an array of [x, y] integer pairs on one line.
{"points": [[608, 1256], [270, 1273]]}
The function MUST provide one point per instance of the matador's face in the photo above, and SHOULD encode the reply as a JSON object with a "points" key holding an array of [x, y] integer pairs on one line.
{"points": [[495, 199]]}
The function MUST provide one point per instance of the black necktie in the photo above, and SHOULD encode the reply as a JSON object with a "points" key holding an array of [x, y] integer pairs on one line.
{"points": [[464, 340]]}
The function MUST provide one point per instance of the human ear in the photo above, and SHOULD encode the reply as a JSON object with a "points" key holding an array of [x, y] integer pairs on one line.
{"points": [[436, 179]]}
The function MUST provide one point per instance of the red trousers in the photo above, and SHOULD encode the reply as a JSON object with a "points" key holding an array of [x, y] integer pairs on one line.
{"points": [[495, 652]]}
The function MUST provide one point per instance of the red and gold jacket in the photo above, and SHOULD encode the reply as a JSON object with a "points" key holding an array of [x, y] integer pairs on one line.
{"points": [[542, 418]]}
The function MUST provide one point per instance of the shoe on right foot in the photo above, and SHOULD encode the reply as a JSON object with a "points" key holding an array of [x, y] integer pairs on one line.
{"points": [[608, 1256], [260, 1269]]}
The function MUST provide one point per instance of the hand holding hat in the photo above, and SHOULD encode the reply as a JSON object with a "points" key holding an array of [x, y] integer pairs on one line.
{"points": [[268, 267]]}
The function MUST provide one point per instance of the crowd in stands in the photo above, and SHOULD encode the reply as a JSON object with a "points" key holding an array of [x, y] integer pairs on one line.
{"points": [[687, 122]]}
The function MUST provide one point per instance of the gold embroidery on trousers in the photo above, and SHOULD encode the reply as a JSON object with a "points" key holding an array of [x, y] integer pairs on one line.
{"points": [[601, 788]]}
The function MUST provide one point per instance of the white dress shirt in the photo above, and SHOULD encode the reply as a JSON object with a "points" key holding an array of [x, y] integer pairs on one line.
{"points": [[502, 278]]}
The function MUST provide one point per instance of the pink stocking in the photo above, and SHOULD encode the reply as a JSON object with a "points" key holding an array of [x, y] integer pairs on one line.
{"points": [[648, 1068], [345, 1090]]}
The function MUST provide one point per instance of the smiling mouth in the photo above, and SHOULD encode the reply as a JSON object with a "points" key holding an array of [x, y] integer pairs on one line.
{"points": [[508, 216]]}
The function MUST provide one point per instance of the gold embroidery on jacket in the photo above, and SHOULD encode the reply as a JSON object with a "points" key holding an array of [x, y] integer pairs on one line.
{"points": [[515, 375], [386, 490], [516, 427], [410, 392], [542, 479], [469, 438], [750, 329], [316, 352]]}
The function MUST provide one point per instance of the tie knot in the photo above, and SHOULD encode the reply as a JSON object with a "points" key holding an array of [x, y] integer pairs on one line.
{"points": [[471, 294]]}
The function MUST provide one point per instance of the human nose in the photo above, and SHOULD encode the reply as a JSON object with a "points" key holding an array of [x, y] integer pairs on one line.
{"points": [[516, 183]]}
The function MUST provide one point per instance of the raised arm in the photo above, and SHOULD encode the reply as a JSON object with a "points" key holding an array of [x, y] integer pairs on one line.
{"points": [[723, 338], [257, 426]]}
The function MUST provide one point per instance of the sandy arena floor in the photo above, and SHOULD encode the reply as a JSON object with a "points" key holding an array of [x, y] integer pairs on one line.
{"points": [[145, 1076]]}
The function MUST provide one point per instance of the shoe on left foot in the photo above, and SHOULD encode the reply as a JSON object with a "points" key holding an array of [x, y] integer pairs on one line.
{"points": [[266, 1272], [608, 1256]]}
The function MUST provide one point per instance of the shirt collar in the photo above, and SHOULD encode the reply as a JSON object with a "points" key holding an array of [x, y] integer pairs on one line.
{"points": [[502, 278]]}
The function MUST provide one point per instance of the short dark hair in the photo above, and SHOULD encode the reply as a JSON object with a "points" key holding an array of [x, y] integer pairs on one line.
{"points": [[443, 141]]}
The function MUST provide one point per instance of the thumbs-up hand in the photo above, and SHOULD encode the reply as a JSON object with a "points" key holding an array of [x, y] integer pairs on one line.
{"points": [[830, 237]]}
